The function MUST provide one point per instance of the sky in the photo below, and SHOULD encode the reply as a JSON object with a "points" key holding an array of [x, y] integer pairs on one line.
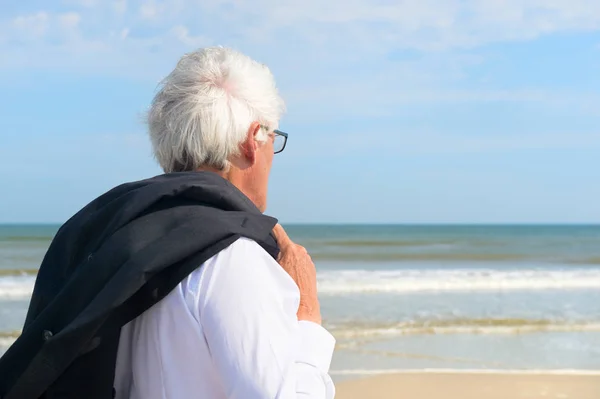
{"points": [[403, 111]]}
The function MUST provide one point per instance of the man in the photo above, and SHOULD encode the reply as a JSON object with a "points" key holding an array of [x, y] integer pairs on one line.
{"points": [[242, 325], [178, 286]]}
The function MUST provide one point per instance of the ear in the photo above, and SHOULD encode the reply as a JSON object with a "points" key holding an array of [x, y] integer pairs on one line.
{"points": [[250, 145]]}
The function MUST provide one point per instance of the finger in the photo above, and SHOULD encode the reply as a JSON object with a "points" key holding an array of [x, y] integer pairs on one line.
{"points": [[281, 236], [301, 249]]}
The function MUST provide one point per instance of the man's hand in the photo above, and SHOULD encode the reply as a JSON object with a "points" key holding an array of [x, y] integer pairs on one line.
{"points": [[296, 261]]}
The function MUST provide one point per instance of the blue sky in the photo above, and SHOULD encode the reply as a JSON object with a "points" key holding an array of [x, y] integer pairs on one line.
{"points": [[415, 111]]}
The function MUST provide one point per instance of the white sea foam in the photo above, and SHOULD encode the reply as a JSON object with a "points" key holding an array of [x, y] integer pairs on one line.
{"points": [[404, 281], [486, 327], [5, 343], [415, 281], [16, 287]]}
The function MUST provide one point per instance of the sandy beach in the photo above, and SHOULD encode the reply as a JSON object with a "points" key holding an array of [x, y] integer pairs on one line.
{"points": [[438, 385]]}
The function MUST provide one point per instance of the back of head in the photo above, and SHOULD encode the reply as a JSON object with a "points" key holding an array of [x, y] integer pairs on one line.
{"points": [[203, 109]]}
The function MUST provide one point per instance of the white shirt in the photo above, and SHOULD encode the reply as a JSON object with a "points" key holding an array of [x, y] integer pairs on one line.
{"points": [[229, 330]]}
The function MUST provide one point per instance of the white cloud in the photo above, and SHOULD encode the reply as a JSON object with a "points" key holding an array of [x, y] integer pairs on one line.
{"points": [[481, 143], [425, 142], [435, 95], [183, 35], [32, 26], [119, 7], [151, 10], [368, 27], [421, 24], [144, 40], [69, 20], [81, 3], [39, 28]]}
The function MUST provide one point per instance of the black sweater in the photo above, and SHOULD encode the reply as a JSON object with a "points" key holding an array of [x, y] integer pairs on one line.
{"points": [[111, 261]]}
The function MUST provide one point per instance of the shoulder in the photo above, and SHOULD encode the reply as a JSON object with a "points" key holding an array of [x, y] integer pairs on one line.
{"points": [[243, 268], [246, 261], [244, 248]]}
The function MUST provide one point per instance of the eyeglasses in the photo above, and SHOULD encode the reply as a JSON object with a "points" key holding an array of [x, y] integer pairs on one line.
{"points": [[279, 141]]}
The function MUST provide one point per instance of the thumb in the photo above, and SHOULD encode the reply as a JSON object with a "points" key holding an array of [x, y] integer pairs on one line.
{"points": [[283, 240]]}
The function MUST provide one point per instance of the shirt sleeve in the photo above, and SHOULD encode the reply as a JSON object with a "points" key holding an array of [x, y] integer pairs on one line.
{"points": [[259, 348]]}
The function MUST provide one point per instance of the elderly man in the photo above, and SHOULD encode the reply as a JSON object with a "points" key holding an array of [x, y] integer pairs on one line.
{"points": [[238, 327], [181, 272]]}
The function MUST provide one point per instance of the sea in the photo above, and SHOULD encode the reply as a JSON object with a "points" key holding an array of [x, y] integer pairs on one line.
{"points": [[423, 297]]}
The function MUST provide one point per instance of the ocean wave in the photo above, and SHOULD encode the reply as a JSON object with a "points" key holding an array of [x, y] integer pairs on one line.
{"points": [[380, 256], [465, 280], [590, 261], [7, 338], [46, 239], [383, 243], [18, 284], [9, 334], [16, 287], [5, 343], [460, 326], [18, 272]]}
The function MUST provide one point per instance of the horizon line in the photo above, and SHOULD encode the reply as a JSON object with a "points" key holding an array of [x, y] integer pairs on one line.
{"points": [[408, 224]]}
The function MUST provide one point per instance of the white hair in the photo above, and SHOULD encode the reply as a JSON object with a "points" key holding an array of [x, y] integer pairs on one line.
{"points": [[204, 108]]}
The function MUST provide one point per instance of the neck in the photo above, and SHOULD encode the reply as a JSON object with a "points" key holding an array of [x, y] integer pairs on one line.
{"points": [[238, 178], [223, 174]]}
